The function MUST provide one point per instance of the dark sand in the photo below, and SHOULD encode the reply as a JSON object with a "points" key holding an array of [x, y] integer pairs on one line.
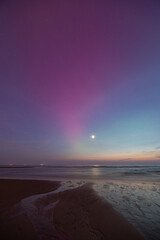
{"points": [[12, 192], [80, 214]]}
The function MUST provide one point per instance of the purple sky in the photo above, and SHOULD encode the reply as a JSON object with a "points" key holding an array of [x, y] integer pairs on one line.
{"points": [[70, 69]]}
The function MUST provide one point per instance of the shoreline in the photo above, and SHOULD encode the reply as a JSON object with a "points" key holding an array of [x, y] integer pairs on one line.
{"points": [[15, 190], [79, 213]]}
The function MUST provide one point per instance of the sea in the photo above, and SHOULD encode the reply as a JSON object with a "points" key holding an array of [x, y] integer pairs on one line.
{"points": [[134, 191]]}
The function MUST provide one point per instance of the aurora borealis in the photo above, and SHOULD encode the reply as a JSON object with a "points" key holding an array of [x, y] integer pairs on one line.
{"points": [[70, 69]]}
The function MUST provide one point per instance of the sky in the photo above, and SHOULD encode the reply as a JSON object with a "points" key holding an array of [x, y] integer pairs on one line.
{"points": [[70, 69]]}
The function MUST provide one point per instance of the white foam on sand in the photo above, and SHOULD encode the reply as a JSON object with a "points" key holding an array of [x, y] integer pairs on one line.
{"points": [[138, 202], [39, 212]]}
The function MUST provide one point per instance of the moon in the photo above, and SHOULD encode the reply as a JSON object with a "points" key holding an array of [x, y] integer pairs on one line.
{"points": [[93, 136]]}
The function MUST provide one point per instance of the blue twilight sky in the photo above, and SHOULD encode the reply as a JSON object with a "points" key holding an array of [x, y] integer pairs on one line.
{"points": [[70, 69]]}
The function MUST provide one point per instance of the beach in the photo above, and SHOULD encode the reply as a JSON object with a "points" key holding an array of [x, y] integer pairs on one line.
{"points": [[80, 120], [13, 223], [32, 209]]}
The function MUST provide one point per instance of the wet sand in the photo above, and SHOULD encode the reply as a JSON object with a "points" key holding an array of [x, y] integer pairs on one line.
{"points": [[79, 213], [12, 192]]}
